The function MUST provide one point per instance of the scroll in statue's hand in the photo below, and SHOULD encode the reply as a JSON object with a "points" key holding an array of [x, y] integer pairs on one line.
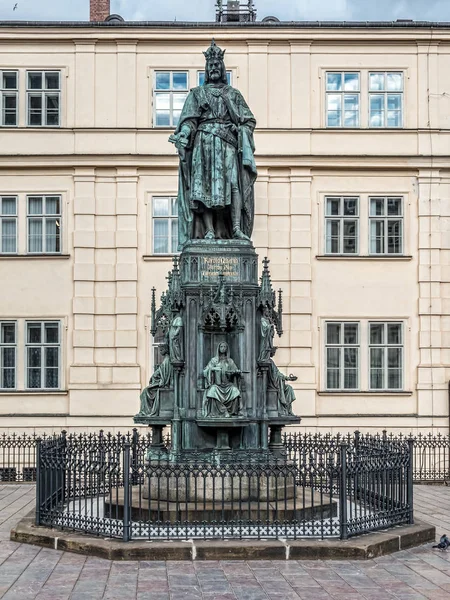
{"points": [[292, 377]]}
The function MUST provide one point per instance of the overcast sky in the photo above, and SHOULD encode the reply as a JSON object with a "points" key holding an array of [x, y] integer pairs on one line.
{"points": [[203, 10]]}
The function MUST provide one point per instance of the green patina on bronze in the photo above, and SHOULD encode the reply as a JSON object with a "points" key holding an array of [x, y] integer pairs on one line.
{"points": [[217, 387]]}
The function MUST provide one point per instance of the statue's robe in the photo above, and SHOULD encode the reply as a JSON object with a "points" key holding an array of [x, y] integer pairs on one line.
{"points": [[161, 378], [222, 396], [286, 396], [218, 159], [267, 333]]}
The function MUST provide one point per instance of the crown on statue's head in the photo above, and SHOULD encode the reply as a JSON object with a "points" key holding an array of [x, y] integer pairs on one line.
{"points": [[214, 51]]}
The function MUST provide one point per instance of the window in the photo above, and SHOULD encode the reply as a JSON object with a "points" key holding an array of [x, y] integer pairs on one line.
{"points": [[44, 224], [385, 99], [8, 355], [42, 355], [342, 99], [165, 225], [386, 356], [342, 356], [43, 91], [386, 225], [201, 77], [170, 93], [341, 225], [9, 93], [8, 224]]}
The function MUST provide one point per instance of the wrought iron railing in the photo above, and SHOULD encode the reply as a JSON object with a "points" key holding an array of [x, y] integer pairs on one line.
{"points": [[323, 486], [431, 457]]}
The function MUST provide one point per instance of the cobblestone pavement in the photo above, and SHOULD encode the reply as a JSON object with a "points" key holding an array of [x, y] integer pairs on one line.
{"points": [[28, 572]]}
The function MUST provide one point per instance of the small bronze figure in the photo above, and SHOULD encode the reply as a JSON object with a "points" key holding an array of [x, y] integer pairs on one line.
{"points": [[222, 397], [161, 378]]}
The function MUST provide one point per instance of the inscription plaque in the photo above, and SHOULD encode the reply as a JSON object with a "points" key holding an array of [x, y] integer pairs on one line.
{"points": [[213, 266]]}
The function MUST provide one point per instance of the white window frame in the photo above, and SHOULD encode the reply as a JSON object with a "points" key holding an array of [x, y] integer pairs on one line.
{"points": [[42, 345], [385, 218], [202, 72], [342, 346], [7, 217], [171, 91], [44, 217], [9, 93], [343, 93], [3, 346], [172, 219], [341, 218], [385, 346], [385, 92], [43, 93]]}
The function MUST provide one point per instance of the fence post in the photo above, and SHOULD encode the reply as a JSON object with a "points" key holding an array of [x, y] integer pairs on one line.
{"points": [[134, 456], [343, 524], [409, 491], [126, 492], [38, 481]]}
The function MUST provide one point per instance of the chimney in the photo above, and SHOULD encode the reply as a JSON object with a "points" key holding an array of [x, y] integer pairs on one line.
{"points": [[99, 10]]}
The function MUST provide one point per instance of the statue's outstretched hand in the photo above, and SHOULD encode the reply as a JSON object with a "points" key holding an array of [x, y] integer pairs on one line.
{"points": [[180, 140], [292, 377]]}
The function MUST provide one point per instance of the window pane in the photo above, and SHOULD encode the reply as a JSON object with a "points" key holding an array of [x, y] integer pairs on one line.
{"points": [[394, 333], [350, 237], [161, 236], [201, 78], [52, 81], [333, 333], [51, 333], [334, 110], [376, 207], [52, 205], [174, 204], [8, 333], [174, 247], [377, 333], [394, 101], [34, 378], [35, 81], [51, 377], [394, 237], [178, 101], [161, 207], [163, 81], [180, 81], [350, 368], [35, 235], [35, 110], [35, 206], [350, 206], [376, 110], [350, 333], [34, 333], [9, 81], [334, 81], [52, 235], [34, 357], [332, 237], [394, 118], [333, 368], [163, 118], [376, 81], [333, 206], [51, 109], [162, 101], [51, 357], [9, 235], [394, 206], [377, 237], [351, 81], [394, 81]]}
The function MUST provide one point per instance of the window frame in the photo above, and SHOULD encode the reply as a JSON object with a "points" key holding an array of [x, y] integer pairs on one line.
{"points": [[385, 346], [385, 92], [341, 346], [15, 218], [342, 93], [8, 345], [341, 218], [42, 345], [9, 92], [385, 218], [171, 218], [43, 93], [171, 91], [44, 216]]}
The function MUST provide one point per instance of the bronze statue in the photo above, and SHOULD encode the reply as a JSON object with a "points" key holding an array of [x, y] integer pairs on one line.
{"points": [[222, 397], [217, 171], [176, 340], [267, 333], [161, 378], [285, 392]]}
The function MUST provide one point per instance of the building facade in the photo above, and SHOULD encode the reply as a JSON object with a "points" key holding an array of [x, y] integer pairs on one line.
{"points": [[352, 209]]}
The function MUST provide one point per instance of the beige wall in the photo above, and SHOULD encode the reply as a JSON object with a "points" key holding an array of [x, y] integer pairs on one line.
{"points": [[107, 162]]}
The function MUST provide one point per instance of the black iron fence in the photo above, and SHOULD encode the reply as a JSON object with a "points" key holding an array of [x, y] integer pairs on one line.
{"points": [[321, 486], [431, 455]]}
